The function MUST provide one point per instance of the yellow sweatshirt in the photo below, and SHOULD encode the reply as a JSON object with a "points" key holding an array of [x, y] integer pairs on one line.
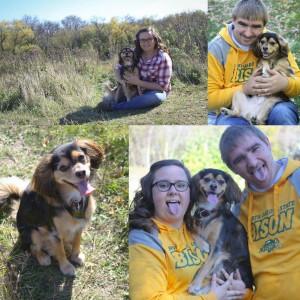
{"points": [[229, 67], [272, 219], [162, 264]]}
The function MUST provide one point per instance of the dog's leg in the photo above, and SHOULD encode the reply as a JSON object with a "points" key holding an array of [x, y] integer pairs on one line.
{"points": [[196, 286], [76, 256], [59, 253], [36, 249], [126, 91], [265, 110]]}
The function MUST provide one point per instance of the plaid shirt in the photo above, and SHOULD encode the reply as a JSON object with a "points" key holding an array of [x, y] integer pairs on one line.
{"points": [[157, 69]]}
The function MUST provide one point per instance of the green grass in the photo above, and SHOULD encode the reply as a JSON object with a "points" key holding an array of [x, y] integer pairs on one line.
{"points": [[47, 92], [104, 275]]}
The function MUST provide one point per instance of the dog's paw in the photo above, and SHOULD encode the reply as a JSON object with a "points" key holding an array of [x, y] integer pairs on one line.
{"points": [[78, 259], [67, 269], [197, 290], [224, 111], [194, 289], [254, 121], [44, 260]]}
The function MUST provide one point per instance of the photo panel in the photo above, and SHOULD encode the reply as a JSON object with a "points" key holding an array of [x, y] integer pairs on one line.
{"points": [[57, 180], [253, 63], [62, 62], [168, 237]]}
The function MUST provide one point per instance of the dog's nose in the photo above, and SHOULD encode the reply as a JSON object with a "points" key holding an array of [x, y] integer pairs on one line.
{"points": [[213, 186], [265, 48], [80, 174]]}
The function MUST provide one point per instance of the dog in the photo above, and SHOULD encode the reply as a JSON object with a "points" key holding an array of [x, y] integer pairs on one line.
{"points": [[214, 192], [272, 51], [57, 204], [128, 64]]}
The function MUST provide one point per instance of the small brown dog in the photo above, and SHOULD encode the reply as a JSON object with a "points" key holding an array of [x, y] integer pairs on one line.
{"points": [[272, 51], [214, 191], [128, 64], [57, 204]]}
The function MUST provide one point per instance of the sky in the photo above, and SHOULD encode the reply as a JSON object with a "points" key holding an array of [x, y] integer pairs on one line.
{"points": [[56, 10]]}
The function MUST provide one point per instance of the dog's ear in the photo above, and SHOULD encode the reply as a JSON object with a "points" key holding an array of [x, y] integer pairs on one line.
{"points": [[233, 193], [43, 180], [283, 45], [120, 58], [94, 151], [194, 188], [135, 58], [255, 46]]}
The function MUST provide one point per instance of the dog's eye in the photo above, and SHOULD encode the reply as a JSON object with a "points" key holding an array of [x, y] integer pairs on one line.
{"points": [[206, 180], [81, 158], [221, 182], [63, 168], [272, 43]]}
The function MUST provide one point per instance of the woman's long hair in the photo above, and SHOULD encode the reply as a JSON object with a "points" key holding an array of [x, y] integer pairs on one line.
{"points": [[158, 41], [140, 217]]}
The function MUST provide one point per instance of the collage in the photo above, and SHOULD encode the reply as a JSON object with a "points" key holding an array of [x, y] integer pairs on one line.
{"points": [[149, 150]]}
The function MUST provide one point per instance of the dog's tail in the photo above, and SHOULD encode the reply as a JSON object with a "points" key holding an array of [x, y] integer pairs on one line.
{"points": [[11, 190]]}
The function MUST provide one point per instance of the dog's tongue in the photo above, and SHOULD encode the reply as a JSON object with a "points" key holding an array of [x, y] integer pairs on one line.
{"points": [[212, 198], [173, 207], [85, 188]]}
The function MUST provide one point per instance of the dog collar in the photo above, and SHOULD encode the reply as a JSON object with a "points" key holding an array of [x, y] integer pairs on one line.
{"points": [[77, 208]]}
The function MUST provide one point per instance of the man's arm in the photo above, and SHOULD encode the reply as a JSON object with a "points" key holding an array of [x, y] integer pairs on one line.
{"points": [[218, 95]]}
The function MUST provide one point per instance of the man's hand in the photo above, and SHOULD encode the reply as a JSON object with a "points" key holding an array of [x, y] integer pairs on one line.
{"points": [[265, 86], [248, 86]]}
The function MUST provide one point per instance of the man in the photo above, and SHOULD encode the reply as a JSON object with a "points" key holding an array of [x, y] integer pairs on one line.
{"points": [[231, 63], [270, 212]]}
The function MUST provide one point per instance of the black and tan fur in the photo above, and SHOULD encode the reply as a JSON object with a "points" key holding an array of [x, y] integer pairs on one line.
{"points": [[128, 64], [57, 204], [272, 51], [214, 223]]}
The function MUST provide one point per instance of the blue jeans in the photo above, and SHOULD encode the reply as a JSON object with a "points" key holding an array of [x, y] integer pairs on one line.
{"points": [[148, 99], [283, 113]]}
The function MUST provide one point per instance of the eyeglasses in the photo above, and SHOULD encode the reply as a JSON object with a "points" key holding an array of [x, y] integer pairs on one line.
{"points": [[146, 40], [164, 185]]}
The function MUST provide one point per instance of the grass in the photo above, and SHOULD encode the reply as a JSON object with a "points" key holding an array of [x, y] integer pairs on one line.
{"points": [[43, 91], [104, 275]]}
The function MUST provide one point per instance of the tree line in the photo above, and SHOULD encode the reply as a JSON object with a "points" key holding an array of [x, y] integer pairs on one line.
{"points": [[184, 32]]}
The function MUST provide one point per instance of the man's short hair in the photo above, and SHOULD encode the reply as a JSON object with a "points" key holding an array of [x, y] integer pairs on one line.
{"points": [[233, 135], [253, 10]]}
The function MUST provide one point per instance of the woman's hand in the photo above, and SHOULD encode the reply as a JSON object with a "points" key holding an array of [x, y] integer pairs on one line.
{"points": [[227, 290], [131, 78]]}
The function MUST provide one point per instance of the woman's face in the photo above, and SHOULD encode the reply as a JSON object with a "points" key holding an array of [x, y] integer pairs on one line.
{"points": [[170, 206], [147, 41]]}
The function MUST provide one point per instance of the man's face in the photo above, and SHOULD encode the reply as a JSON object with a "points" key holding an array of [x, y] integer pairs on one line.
{"points": [[246, 31], [252, 159]]}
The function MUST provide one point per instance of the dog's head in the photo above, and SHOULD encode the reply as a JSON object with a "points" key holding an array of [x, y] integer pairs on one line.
{"points": [[67, 167], [127, 57], [213, 190], [270, 45]]}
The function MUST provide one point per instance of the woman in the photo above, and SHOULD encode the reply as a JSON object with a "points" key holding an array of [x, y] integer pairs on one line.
{"points": [[155, 70], [163, 256]]}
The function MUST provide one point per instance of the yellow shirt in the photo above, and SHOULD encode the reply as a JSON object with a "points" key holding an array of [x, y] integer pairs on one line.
{"points": [[163, 263], [272, 219]]}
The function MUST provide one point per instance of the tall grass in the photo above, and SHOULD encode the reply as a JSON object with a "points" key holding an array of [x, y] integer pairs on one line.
{"points": [[48, 83]]}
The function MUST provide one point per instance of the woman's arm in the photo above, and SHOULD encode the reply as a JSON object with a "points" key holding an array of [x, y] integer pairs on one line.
{"points": [[148, 276]]}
